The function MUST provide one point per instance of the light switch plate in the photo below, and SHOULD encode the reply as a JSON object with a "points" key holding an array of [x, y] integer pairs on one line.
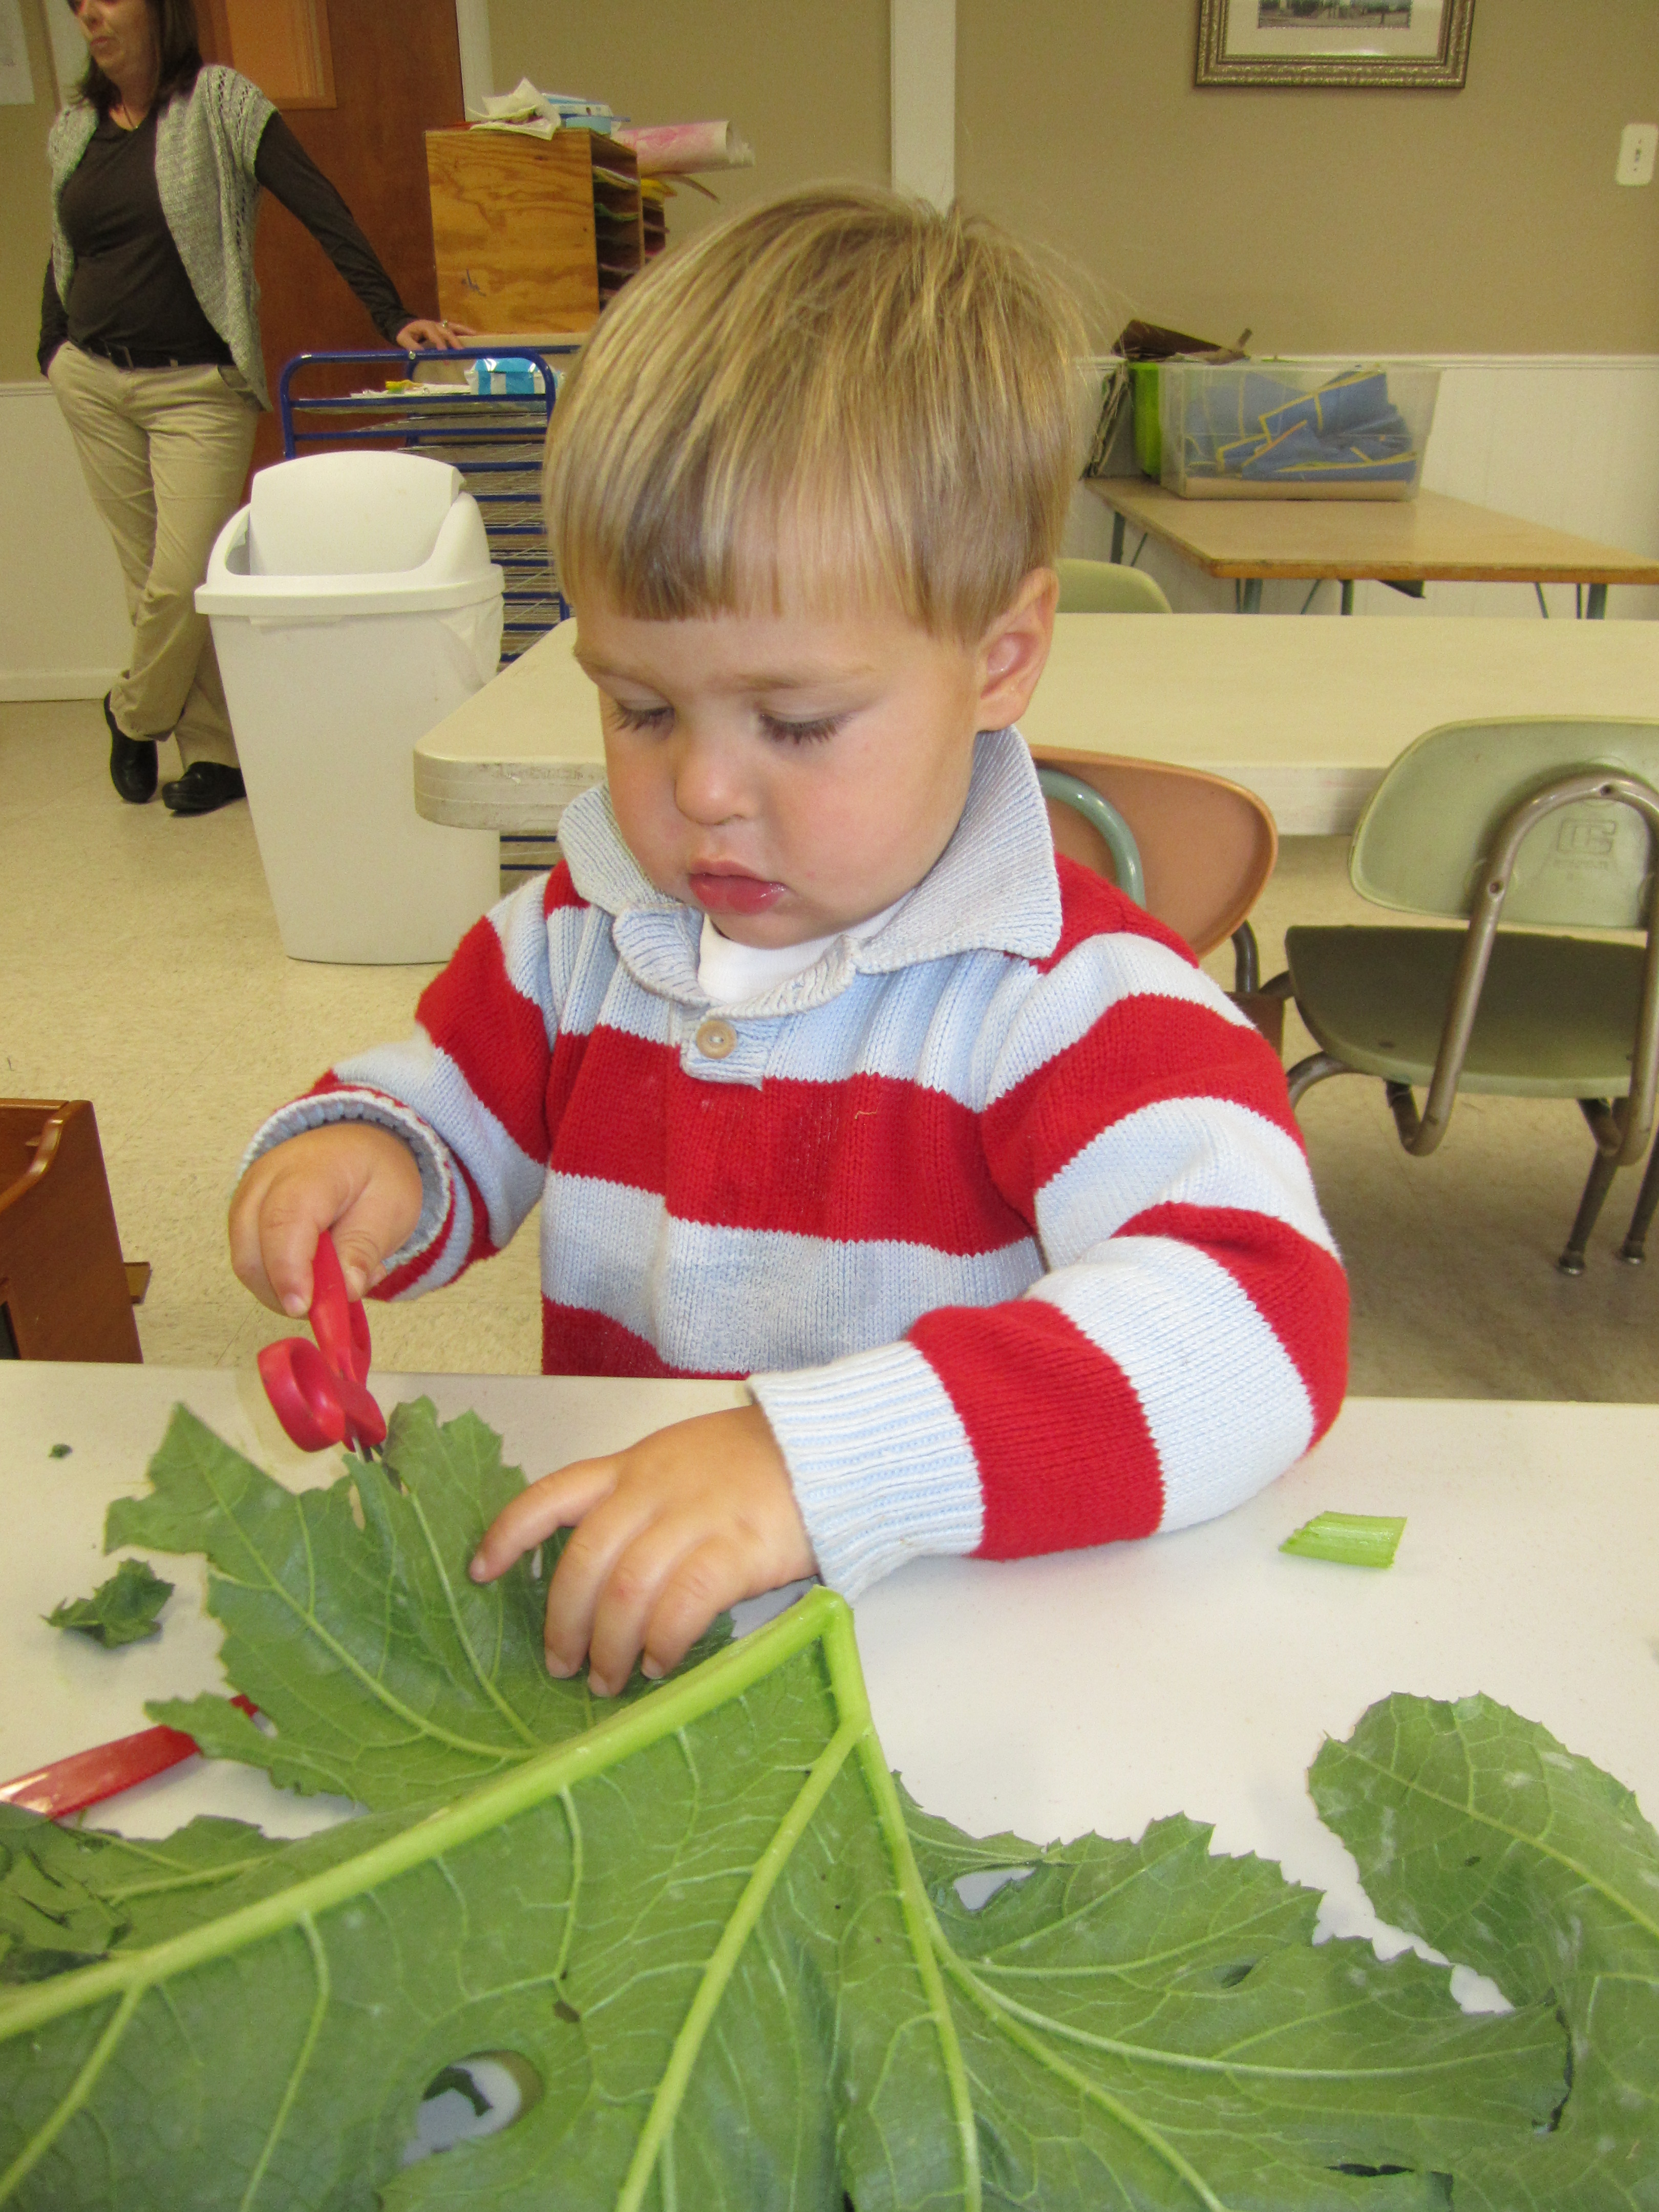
{"points": [[1637, 144]]}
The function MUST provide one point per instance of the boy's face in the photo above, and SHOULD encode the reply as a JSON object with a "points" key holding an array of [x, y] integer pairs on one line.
{"points": [[792, 774]]}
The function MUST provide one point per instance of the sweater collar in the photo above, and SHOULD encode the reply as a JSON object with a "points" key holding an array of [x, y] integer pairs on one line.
{"points": [[993, 889]]}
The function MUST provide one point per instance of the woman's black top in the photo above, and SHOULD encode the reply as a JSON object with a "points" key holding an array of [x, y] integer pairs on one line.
{"points": [[130, 295]]}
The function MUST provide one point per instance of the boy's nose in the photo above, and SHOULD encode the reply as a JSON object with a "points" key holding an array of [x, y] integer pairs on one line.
{"points": [[710, 786]]}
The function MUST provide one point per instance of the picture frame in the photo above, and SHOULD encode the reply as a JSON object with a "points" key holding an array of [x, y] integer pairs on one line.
{"points": [[1312, 44]]}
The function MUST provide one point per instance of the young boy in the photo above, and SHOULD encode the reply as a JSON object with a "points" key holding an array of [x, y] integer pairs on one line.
{"points": [[826, 1073]]}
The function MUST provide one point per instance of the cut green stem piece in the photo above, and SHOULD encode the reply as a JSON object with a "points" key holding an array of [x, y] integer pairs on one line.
{"points": [[1352, 1540]]}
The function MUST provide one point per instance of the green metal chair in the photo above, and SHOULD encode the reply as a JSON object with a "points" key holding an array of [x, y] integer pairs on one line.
{"points": [[1540, 826], [1108, 587]]}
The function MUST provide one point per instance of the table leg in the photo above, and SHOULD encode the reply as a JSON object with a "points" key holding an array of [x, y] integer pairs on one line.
{"points": [[1596, 610], [1347, 595], [1250, 598], [1117, 535]]}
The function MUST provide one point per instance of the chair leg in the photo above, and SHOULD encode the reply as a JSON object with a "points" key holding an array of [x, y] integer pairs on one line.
{"points": [[1317, 1068], [1246, 961], [1603, 1168], [1634, 1250]]}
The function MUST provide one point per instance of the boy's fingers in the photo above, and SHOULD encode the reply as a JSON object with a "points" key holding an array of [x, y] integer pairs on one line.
{"points": [[556, 1501], [245, 1255], [703, 1584], [291, 1220], [587, 1566], [669, 1553]]}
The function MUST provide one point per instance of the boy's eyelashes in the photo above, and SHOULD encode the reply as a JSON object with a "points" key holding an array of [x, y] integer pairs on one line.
{"points": [[800, 733], [640, 717], [775, 726]]}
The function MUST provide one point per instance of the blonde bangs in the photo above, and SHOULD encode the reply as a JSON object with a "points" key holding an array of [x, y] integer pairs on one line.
{"points": [[842, 400]]}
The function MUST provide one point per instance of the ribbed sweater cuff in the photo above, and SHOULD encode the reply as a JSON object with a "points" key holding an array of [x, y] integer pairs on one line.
{"points": [[316, 1112], [882, 1467]]}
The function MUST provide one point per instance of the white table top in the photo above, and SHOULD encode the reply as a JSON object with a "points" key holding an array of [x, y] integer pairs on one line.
{"points": [[1306, 713], [1196, 1673]]}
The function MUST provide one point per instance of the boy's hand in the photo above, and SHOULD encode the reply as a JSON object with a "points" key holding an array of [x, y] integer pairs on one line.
{"points": [[357, 1181], [668, 1534]]}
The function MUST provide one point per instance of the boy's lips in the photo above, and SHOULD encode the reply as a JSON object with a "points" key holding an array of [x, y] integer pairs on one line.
{"points": [[732, 890]]}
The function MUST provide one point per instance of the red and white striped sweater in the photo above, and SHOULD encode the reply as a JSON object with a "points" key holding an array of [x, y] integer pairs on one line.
{"points": [[1002, 1210]]}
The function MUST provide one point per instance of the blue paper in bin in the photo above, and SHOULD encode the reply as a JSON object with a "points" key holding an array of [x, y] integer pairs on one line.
{"points": [[1250, 425]]}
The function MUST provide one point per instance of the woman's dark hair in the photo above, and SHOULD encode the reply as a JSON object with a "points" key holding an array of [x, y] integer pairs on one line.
{"points": [[178, 43]]}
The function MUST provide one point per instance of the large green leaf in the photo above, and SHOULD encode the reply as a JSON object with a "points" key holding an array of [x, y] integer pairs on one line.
{"points": [[386, 1674], [707, 1925], [1476, 1829]]}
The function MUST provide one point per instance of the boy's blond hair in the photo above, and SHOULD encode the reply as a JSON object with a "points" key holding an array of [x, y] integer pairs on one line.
{"points": [[842, 399]]}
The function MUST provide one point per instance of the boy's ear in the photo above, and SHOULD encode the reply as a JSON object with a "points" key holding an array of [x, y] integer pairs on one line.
{"points": [[1014, 651]]}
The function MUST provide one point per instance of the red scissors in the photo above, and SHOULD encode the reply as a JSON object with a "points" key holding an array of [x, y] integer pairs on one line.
{"points": [[321, 1396], [320, 1390]]}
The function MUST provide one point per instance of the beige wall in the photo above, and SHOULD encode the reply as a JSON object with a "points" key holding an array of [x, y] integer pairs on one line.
{"points": [[1484, 221], [25, 211], [806, 81], [1480, 220]]}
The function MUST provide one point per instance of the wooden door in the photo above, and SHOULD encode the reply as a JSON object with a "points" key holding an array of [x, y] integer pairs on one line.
{"points": [[368, 81]]}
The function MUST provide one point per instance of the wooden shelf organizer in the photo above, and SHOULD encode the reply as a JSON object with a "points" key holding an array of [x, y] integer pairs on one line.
{"points": [[533, 234]]}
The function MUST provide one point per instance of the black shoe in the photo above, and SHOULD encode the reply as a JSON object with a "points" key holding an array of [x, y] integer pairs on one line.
{"points": [[131, 762], [205, 786]]}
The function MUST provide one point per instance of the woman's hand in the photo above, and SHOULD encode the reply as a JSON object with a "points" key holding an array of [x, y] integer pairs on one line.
{"points": [[421, 335], [668, 1534]]}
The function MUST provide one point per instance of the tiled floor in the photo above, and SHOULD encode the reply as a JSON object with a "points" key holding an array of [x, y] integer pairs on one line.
{"points": [[143, 970]]}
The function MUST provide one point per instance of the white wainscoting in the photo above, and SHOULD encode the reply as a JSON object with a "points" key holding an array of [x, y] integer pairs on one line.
{"points": [[1572, 441], [63, 629]]}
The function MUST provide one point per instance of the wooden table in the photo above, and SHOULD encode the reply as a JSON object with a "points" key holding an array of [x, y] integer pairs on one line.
{"points": [[1308, 714], [1195, 1673], [1428, 539]]}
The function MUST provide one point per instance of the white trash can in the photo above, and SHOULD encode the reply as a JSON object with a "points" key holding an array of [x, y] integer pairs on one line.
{"points": [[354, 605]]}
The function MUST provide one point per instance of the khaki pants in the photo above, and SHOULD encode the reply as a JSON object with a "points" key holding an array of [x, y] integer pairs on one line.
{"points": [[165, 452]]}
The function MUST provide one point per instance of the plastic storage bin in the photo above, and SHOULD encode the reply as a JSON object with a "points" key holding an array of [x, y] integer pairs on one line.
{"points": [[1270, 429], [354, 604]]}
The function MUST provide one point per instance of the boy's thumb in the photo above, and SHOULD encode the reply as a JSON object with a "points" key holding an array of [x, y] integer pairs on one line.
{"points": [[359, 1261]]}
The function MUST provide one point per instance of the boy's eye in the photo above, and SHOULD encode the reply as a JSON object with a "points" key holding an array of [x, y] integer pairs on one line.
{"points": [[639, 717], [800, 733]]}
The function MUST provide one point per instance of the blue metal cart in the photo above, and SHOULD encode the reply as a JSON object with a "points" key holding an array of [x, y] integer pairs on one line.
{"points": [[495, 438]]}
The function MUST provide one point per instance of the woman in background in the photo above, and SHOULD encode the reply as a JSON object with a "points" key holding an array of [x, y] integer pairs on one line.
{"points": [[150, 336]]}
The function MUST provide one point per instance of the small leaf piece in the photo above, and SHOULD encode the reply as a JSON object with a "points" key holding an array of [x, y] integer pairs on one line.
{"points": [[60, 1451], [1350, 1540], [123, 1610], [1474, 1829]]}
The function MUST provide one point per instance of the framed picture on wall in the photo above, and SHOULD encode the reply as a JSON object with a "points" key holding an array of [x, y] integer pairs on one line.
{"points": [[1377, 43]]}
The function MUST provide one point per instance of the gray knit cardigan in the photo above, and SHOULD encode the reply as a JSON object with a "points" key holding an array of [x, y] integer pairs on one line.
{"points": [[205, 143]]}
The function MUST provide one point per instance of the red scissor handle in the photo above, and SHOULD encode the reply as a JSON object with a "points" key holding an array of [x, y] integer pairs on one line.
{"points": [[321, 1391]]}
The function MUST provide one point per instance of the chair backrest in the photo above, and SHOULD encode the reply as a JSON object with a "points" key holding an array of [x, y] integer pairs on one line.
{"points": [[1108, 587], [1206, 846], [1422, 842]]}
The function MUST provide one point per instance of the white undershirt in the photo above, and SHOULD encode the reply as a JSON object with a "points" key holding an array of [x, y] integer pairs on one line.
{"points": [[732, 973]]}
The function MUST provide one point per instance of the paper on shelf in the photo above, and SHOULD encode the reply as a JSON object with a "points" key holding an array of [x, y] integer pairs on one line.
{"points": [[676, 149], [540, 114]]}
